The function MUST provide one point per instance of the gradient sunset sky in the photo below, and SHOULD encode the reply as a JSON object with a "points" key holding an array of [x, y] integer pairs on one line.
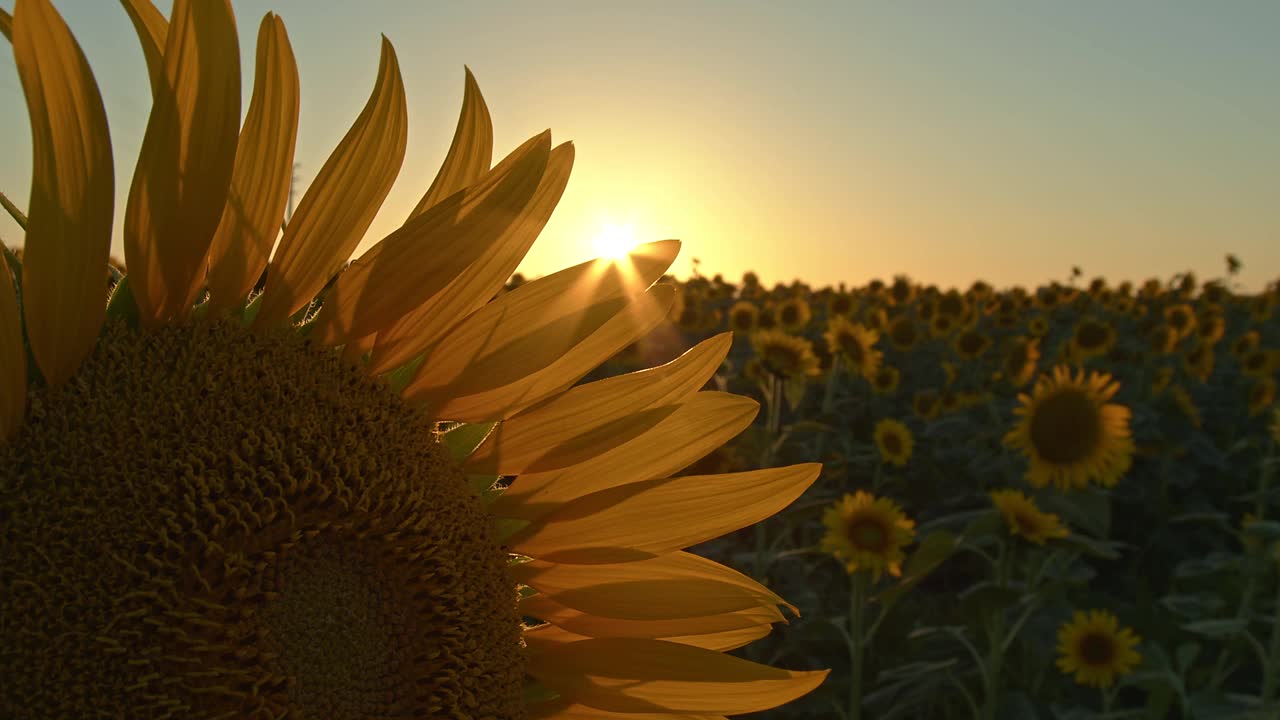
{"points": [[827, 142]]}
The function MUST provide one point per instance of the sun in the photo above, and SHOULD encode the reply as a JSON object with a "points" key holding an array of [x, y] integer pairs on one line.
{"points": [[614, 241]]}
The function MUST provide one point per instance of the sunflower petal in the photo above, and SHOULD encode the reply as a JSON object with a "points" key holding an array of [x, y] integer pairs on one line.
{"points": [[475, 286], [674, 586], [263, 170], [68, 237], [522, 380], [469, 155], [616, 525], [640, 675], [418, 260], [560, 709], [756, 619], [13, 358], [153, 30], [700, 425], [582, 422], [342, 200], [184, 167]]}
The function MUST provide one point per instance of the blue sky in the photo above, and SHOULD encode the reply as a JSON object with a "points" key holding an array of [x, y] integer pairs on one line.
{"points": [[822, 141]]}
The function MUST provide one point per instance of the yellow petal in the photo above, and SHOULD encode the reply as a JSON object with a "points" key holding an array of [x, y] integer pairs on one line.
{"points": [[522, 314], [469, 155], [700, 425], [757, 620], [475, 286], [260, 181], [342, 200], [184, 167], [68, 239], [648, 518], [639, 675], [421, 257], [723, 640], [672, 586], [532, 369], [590, 419], [153, 30], [13, 358], [561, 709], [6, 24]]}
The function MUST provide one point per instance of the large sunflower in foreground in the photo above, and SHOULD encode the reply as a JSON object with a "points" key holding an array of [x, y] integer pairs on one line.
{"points": [[1070, 433], [211, 512], [1096, 649]]}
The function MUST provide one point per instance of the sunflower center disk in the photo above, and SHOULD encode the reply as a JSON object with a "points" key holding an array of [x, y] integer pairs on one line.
{"points": [[1066, 427], [238, 525], [1096, 650], [868, 535]]}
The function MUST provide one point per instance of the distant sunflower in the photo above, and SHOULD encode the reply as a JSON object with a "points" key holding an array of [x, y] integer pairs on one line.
{"points": [[1244, 343], [1197, 361], [1038, 326], [953, 303], [1259, 362], [234, 519], [1070, 433], [1210, 326], [925, 403], [785, 355], [840, 304], [1025, 519], [971, 344], [1096, 649], [1262, 306], [894, 441], [903, 333], [1091, 338], [885, 380], [1262, 395], [793, 314], [856, 344], [1020, 361], [902, 291], [1162, 339], [941, 325], [1181, 319], [867, 533], [744, 316]]}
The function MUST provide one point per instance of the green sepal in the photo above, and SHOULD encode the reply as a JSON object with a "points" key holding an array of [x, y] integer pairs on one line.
{"points": [[480, 484], [462, 440], [508, 527], [122, 305], [250, 311], [535, 692], [397, 380], [525, 591]]}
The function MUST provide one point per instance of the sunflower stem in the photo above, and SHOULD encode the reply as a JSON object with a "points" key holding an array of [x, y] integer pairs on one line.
{"points": [[828, 401], [1271, 672], [857, 603], [995, 639]]}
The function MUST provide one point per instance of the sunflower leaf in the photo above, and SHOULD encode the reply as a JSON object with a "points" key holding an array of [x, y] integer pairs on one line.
{"points": [[928, 556], [122, 305], [462, 440]]}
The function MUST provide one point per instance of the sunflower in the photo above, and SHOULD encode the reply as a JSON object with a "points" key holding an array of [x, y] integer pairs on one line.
{"points": [[1210, 325], [885, 380], [1262, 394], [971, 344], [1262, 306], [793, 314], [856, 344], [689, 312], [1244, 343], [1160, 379], [785, 355], [840, 304], [941, 325], [1162, 339], [1181, 318], [1025, 519], [1096, 649], [744, 315], [867, 533], [925, 403], [1197, 361], [230, 516], [1070, 433], [1091, 338], [1259, 362], [1038, 326], [902, 291], [894, 441], [903, 333], [1020, 359]]}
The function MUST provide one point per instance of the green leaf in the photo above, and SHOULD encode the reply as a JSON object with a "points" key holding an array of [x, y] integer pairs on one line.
{"points": [[1267, 530], [1218, 628], [1186, 654], [463, 439], [987, 598], [122, 305], [794, 390], [989, 523], [932, 552], [1105, 549]]}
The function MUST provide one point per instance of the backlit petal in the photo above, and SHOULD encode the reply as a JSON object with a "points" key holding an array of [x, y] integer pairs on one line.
{"points": [[617, 524], [584, 421], [264, 167], [153, 30], [469, 155], [475, 286], [758, 619], [342, 200], [184, 167], [561, 709], [68, 238], [638, 675], [421, 257]]}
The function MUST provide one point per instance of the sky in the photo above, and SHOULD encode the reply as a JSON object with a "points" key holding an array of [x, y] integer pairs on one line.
{"points": [[825, 142]]}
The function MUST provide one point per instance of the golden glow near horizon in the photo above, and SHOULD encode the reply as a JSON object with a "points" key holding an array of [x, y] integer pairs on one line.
{"points": [[614, 241]]}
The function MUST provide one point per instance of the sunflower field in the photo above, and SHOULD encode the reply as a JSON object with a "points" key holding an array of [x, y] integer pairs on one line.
{"points": [[1059, 503]]}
